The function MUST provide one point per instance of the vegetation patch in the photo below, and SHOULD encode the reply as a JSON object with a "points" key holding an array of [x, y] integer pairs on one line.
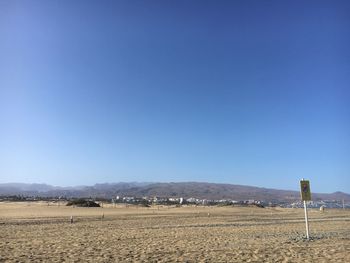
{"points": [[83, 203]]}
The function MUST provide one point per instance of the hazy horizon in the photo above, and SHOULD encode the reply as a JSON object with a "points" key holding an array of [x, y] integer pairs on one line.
{"points": [[297, 189], [242, 92]]}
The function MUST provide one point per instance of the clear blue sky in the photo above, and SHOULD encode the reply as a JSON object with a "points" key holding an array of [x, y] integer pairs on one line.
{"points": [[242, 92]]}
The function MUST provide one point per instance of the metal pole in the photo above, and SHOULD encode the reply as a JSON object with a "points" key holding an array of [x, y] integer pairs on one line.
{"points": [[306, 220]]}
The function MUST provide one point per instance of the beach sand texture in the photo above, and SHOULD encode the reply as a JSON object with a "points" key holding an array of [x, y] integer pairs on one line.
{"points": [[38, 232]]}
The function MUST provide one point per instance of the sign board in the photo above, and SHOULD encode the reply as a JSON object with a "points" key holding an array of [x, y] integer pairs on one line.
{"points": [[305, 190]]}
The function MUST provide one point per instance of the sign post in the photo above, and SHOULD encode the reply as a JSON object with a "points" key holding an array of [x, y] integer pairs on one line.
{"points": [[305, 196]]}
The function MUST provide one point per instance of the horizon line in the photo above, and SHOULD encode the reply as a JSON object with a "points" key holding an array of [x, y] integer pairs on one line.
{"points": [[164, 182]]}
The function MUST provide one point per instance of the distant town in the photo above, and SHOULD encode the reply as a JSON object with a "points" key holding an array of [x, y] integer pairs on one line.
{"points": [[179, 201]]}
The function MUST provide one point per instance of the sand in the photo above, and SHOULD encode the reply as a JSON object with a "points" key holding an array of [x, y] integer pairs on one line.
{"points": [[38, 232]]}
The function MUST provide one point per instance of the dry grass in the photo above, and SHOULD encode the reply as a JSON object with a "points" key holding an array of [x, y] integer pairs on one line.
{"points": [[41, 233]]}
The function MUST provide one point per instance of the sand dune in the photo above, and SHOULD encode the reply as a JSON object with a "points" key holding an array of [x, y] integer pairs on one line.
{"points": [[42, 233]]}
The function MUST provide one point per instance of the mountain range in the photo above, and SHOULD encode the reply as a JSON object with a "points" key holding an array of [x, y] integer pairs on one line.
{"points": [[199, 190]]}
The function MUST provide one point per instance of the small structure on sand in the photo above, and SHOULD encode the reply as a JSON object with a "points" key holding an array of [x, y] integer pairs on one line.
{"points": [[322, 208]]}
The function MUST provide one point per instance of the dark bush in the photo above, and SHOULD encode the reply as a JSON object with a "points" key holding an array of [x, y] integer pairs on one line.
{"points": [[82, 203]]}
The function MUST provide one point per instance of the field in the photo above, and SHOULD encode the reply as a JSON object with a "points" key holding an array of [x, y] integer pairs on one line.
{"points": [[42, 232]]}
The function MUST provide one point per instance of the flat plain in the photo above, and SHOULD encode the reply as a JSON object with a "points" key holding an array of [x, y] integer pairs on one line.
{"points": [[42, 232]]}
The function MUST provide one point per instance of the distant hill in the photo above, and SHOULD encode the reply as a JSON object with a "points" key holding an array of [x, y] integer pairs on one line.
{"points": [[183, 189]]}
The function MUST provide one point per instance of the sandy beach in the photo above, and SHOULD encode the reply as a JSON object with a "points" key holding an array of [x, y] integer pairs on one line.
{"points": [[41, 232]]}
